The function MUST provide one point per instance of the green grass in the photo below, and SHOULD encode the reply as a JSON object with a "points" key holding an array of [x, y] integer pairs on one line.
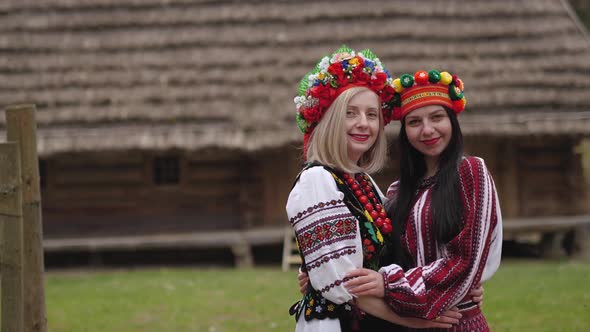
{"points": [[539, 296], [171, 300], [523, 296]]}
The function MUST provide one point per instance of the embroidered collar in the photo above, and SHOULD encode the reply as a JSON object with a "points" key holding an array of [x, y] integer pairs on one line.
{"points": [[427, 182]]}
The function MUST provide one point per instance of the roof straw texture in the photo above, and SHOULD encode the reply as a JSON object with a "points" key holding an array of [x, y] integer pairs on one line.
{"points": [[162, 74]]}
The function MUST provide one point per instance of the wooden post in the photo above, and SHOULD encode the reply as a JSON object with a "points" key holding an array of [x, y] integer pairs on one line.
{"points": [[21, 127], [290, 251], [12, 241], [582, 233]]}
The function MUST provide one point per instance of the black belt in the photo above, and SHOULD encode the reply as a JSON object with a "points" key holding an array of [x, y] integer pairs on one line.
{"points": [[466, 305]]}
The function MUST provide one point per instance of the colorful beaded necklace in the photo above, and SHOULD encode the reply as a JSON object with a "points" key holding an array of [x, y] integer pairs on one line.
{"points": [[363, 190]]}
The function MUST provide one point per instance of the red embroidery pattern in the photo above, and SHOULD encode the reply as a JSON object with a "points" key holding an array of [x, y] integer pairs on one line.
{"points": [[326, 232]]}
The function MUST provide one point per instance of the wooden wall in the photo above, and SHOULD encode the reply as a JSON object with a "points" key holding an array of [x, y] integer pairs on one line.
{"points": [[276, 169], [537, 176], [107, 193], [114, 194]]}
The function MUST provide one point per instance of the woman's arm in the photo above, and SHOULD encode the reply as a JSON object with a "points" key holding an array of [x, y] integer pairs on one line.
{"points": [[326, 231], [367, 282], [378, 308]]}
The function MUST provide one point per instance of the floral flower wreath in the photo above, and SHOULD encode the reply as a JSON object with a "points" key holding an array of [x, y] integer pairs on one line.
{"points": [[427, 88], [333, 75]]}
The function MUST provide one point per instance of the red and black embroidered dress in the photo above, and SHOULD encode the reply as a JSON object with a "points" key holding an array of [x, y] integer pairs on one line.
{"points": [[443, 277], [336, 235]]}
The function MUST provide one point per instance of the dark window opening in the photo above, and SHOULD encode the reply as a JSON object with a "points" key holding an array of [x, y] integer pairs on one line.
{"points": [[166, 170]]}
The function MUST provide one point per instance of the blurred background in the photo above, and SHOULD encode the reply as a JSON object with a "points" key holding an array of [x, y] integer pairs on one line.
{"points": [[176, 117], [166, 134]]}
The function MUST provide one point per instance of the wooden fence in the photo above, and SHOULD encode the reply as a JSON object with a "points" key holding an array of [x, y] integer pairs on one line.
{"points": [[21, 256]]}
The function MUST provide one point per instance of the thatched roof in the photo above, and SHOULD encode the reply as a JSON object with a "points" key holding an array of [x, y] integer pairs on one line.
{"points": [[160, 74]]}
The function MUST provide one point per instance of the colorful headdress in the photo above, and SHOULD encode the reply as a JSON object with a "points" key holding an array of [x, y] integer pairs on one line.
{"points": [[427, 88], [335, 74]]}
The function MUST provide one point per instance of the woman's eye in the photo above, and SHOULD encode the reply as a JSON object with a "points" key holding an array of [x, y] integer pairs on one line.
{"points": [[373, 115], [439, 116], [413, 122]]}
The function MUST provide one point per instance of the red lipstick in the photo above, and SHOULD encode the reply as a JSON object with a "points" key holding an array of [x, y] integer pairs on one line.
{"points": [[360, 138], [431, 141]]}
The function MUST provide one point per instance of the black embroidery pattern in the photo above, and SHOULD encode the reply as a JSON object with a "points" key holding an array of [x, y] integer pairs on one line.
{"points": [[328, 257]]}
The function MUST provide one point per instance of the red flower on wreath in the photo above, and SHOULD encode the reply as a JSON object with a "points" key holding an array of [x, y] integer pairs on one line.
{"points": [[364, 78], [312, 115], [338, 72], [358, 69], [324, 94], [378, 82], [387, 94]]}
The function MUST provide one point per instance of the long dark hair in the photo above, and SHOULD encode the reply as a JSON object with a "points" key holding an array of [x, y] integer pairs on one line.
{"points": [[447, 206]]}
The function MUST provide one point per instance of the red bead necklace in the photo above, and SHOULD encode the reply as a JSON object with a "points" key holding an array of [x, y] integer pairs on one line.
{"points": [[362, 187]]}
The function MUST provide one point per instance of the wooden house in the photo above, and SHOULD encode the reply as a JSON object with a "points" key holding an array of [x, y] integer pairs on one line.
{"points": [[177, 116]]}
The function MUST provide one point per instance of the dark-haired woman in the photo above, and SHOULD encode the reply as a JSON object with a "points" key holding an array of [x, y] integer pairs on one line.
{"points": [[445, 204]]}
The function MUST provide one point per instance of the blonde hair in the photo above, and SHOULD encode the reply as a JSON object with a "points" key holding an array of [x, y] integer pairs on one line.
{"points": [[328, 143]]}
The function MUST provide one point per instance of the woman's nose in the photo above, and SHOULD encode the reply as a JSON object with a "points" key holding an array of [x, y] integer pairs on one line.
{"points": [[427, 129], [363, 121]]}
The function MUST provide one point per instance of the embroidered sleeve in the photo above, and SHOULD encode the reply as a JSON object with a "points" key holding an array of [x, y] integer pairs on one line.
{"points": [[326, 231], [427, 291]]}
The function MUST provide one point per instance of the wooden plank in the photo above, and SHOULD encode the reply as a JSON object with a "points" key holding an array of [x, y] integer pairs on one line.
{"points": [[214, 156], [544, 224], [11, 253], [553, 230], [10, 183], [581, 242], [211, 239], [275, 185], [290, 251], [21, 127], [582, 179], [541, 159], [95, 176], [197, 174], [79, 160], [508, 180]]}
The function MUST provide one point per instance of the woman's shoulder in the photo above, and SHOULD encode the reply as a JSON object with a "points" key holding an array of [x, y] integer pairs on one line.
{"points": [[314, 185], [314, 176], [473, 170], [472, 164], [315, 172]]}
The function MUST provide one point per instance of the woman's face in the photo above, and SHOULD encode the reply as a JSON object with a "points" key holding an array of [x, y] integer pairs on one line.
{"points": [[429, 130], [362, 123]]}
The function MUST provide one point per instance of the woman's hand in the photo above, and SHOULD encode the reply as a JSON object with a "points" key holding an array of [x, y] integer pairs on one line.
{"points": [[303, 279], [365, 282], [476, 294], [444, 321]]}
